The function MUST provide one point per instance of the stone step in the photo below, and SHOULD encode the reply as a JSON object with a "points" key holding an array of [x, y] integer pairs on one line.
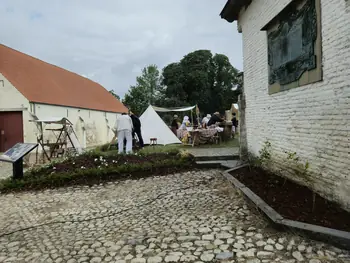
{"points": [[227, 164], [217, 158]]}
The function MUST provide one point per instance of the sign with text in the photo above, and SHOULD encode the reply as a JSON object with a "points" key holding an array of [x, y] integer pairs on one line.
{"points": [[17, 152]]}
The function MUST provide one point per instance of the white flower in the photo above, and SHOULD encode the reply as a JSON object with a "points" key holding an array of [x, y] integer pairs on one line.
{"points": [[54, 168], [96, 159]]}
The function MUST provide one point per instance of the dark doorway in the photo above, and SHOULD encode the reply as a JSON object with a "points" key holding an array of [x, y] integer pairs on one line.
{"points": [[11, 129]]}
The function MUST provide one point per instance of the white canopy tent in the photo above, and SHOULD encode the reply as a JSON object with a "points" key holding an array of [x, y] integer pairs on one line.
{"points": [[159, 109], [152, 126], [179, 109]]}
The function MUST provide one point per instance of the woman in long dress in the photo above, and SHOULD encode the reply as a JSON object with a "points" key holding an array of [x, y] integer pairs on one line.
{"points": [[182, 132]]}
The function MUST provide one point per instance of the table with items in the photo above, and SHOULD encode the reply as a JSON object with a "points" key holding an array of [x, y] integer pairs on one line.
{"points": [[204, 136]]}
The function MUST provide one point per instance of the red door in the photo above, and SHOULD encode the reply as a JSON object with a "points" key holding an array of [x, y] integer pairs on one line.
{"points": [[11, 129]]}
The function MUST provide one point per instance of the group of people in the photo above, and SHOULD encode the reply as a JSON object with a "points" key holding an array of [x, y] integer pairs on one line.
{"points": [[125, 128], [211, 120], [181, 131], [129, 125], [216, 118]]}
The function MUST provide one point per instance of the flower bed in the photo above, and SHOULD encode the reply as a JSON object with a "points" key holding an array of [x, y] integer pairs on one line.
{"points": [[97, 167], [293, 201]]}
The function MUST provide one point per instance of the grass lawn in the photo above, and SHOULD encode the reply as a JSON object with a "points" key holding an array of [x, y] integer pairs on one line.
{"points": [[233, 143]]}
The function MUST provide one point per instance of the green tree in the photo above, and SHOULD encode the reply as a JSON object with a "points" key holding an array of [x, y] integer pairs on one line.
{"points": [[146, 91], [225, 79], [173, 93], [114, 94], [203, 79], [197, 79]]}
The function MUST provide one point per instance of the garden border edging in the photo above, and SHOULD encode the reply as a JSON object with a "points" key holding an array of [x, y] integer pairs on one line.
{"points": [[329, 235]]}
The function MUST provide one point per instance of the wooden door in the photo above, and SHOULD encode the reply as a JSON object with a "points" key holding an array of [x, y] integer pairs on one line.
{"points": [[11, 129]]}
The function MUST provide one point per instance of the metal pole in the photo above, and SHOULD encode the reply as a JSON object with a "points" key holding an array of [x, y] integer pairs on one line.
{"points": [[192, 117], [18, 169]]}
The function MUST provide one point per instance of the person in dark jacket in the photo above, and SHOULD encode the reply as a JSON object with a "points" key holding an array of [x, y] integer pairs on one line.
{"points": [[137, 128], [175, 124], [234, 125], [214, 119]]}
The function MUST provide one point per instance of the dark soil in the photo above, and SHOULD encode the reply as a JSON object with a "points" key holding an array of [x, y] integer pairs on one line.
{"points": [[293, 201], [92, 169]]}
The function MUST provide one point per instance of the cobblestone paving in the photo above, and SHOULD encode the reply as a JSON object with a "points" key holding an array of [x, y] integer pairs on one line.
{"points": [[189, 217], [5, 170]]}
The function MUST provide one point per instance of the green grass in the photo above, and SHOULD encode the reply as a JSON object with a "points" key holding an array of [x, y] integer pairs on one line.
{"points": [[173, 147]]}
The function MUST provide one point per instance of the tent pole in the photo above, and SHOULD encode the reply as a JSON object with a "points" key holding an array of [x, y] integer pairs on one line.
{"points": [[192, 117], [198, 115]]}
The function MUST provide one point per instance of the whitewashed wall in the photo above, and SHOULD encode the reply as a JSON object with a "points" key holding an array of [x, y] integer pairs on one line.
{"points": [[91, 127], [10, 98], [95, 122], [313, 120]]}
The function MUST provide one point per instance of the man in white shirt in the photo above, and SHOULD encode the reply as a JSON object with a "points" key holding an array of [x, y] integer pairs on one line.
{"points": [[123, 126]]}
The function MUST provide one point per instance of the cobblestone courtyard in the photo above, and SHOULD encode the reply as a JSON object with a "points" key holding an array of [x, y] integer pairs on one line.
{"points": [[189, 217]]}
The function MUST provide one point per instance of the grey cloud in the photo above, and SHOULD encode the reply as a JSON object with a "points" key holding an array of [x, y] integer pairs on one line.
{"points": [[110, 41]]}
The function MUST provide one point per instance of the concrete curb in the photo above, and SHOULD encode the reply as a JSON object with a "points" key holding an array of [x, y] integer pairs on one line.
{"points": [[328, 235]]}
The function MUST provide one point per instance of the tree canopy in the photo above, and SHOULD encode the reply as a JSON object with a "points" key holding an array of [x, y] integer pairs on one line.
{"points": [[146, 90], [198, 78], [203, 79], [114, 94]]}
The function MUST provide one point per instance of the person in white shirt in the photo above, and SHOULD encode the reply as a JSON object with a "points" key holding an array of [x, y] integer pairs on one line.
{"points": [[206, 120], [123, 126]]}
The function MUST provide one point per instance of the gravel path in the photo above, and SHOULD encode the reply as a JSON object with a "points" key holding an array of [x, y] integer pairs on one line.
{"points": [[188, 217]]}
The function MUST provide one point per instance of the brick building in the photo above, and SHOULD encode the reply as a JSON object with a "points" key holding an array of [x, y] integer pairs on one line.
{"points": [[297, 86]]}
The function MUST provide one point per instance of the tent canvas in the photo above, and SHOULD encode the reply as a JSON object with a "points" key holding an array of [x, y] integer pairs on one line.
{"points": [[178, 109], [152, 126]]}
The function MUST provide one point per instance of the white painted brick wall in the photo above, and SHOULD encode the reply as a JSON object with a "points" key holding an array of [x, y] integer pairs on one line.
{"points": [[313, 120], [96, 122]]}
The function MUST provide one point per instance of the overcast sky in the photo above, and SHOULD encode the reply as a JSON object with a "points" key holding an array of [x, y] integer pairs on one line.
{"points": [[110, 41]]}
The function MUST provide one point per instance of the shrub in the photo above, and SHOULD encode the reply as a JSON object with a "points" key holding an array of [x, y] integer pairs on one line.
{"points": [[47, 177]]}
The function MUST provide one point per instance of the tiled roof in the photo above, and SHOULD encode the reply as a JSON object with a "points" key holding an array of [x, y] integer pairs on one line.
{"points": [[42, 82], [231, 10]]}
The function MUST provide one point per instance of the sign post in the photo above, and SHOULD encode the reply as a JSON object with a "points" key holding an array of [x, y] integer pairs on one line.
{"points": [[15, 156]]}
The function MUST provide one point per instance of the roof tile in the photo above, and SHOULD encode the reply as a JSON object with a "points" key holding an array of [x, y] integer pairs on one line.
{"points": [[42, 82]]}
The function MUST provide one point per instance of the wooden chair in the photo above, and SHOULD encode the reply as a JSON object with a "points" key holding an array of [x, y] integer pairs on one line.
{"points": [[216, 138], [153, 141]]}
